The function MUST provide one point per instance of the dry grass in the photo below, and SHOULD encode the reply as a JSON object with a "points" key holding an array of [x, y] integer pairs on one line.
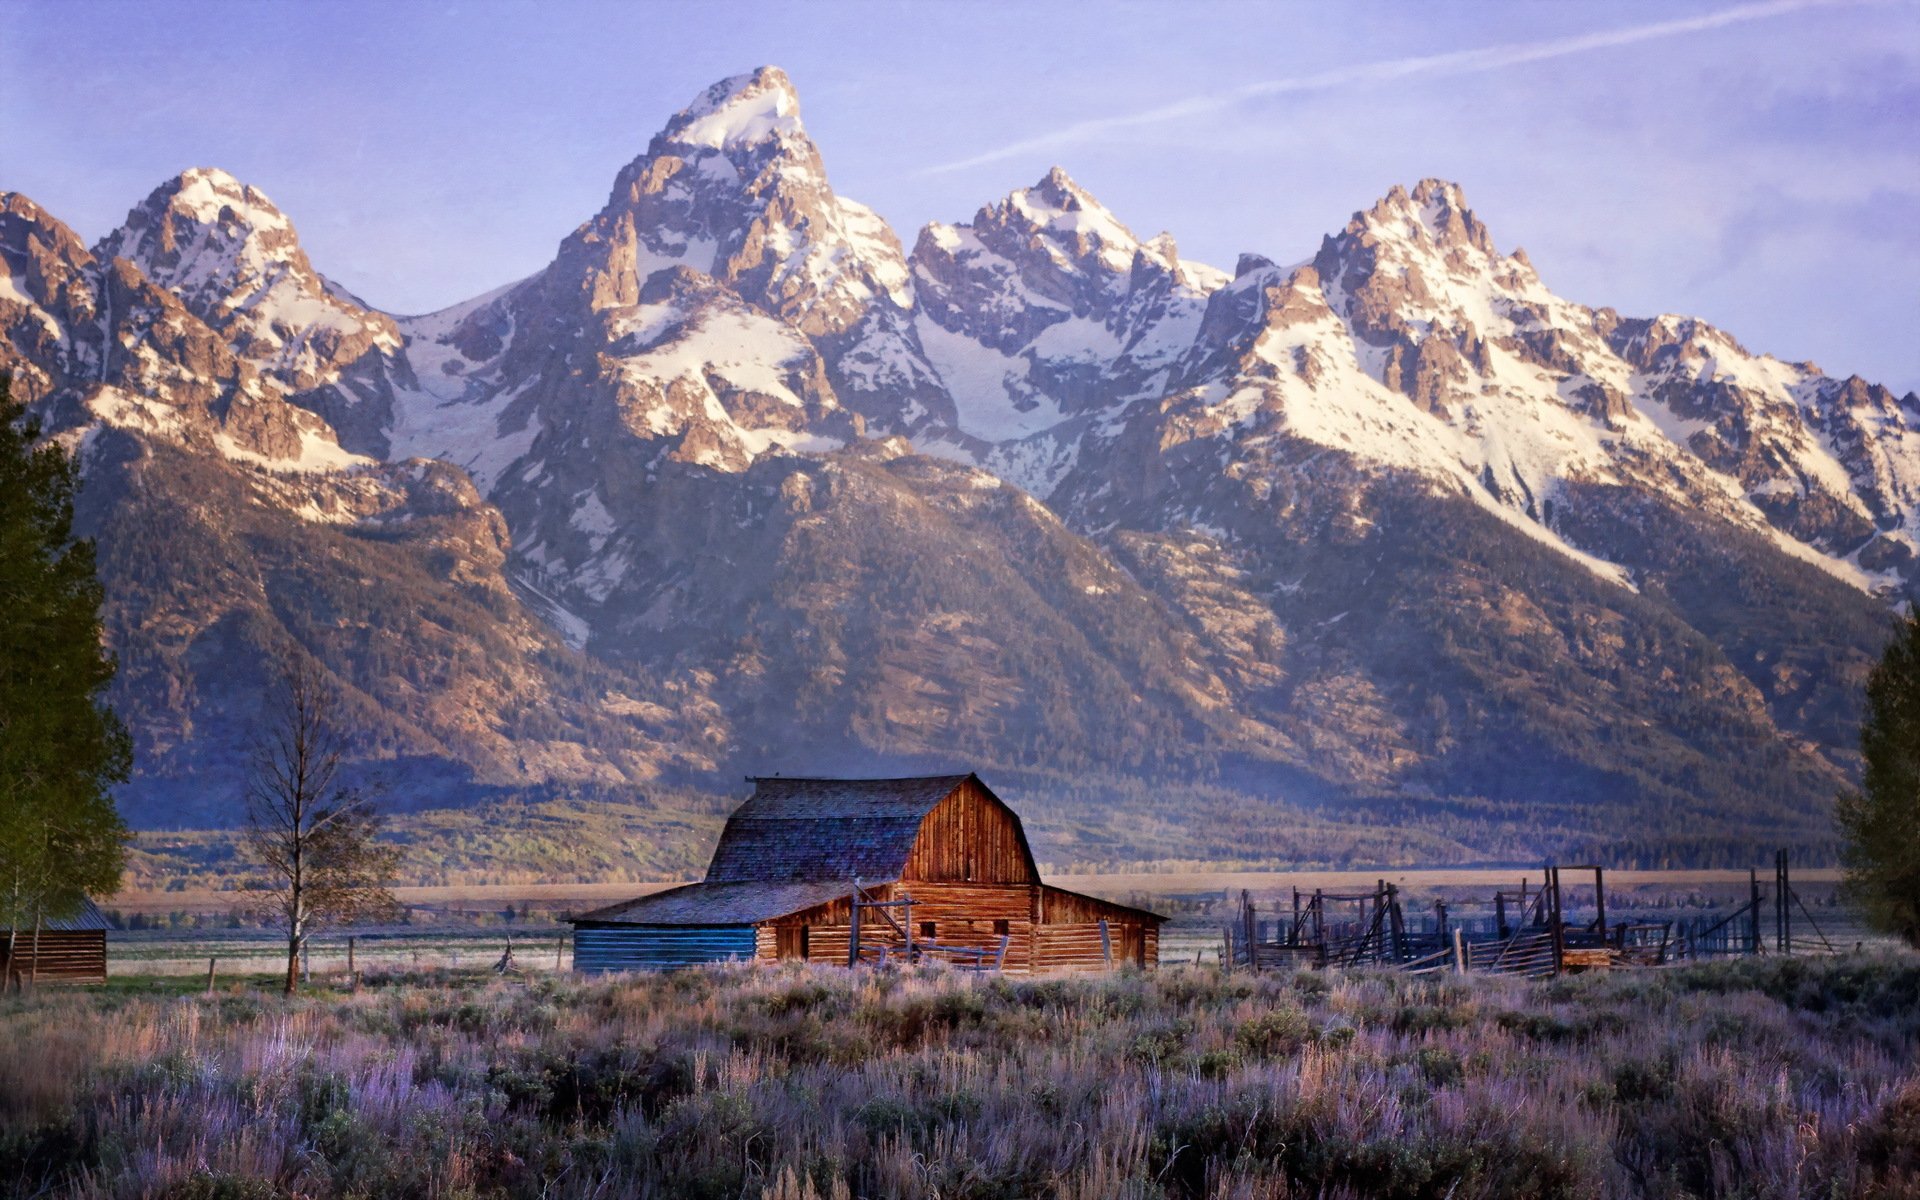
{"points": [[1765, 1078]]}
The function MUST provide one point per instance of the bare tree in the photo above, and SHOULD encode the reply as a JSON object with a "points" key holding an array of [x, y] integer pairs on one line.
{"points": [[316, 838]]}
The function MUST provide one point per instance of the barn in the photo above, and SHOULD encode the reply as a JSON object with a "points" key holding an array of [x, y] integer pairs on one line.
{"points": [[839, 870], [66, 950]]}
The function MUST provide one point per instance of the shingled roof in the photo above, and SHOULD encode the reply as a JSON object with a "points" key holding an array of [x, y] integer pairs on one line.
{"points": [[826, 829], [717, 903]]}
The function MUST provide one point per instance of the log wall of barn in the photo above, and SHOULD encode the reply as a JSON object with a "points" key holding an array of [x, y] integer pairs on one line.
{"points": [[77, 956], [1066, 938], [970, 837], [962, 915]]}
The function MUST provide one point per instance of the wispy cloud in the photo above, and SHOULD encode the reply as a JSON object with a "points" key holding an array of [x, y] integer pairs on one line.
{"points": [[1457, 62]]}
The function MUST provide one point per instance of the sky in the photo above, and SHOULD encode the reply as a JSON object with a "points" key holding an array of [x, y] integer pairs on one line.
{"points": [[1755, 164]]}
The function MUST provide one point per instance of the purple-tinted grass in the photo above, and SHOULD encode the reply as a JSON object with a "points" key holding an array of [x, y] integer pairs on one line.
{"points": [[1755, 1079]]}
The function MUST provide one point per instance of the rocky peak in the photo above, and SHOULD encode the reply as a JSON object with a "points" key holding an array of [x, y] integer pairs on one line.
{"points": [[1250, 263], [734, 188], [1670, 341], [23, 222], [743, 111], [1044, 254], [235, 261], [1059, 217], [201, 234], [1434, 215], [1430, 233], [46, 292], [1421, 263], [40, 258]]}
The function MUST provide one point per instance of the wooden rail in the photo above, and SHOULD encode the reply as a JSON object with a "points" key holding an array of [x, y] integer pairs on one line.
{"points": [[1531, 934]]}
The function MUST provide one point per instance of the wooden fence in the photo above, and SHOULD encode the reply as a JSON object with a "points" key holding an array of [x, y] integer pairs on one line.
{"points": [[1528, 933]]}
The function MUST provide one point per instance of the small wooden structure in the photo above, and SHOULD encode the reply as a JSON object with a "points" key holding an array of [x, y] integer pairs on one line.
{"points": [[852, 871], [64, 950]]}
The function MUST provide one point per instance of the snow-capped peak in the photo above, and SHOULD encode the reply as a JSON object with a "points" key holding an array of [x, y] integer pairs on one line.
{"points": [[745, 110], [208, 192], [200, 196], [234, 259], [1435, 214], [1064, 213]]}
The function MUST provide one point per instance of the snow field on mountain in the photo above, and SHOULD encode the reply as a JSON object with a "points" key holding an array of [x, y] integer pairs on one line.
{"points": [[986, 386]]}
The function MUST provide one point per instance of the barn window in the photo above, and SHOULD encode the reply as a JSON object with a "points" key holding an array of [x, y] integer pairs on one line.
{"points": [[1001, 926], [926, 930], [806, 950]]}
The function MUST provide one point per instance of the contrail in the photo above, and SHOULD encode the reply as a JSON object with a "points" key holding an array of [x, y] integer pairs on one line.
{"points": [[1457, 62]]}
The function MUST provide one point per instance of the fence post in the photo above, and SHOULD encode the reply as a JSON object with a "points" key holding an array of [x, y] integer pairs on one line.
{"points": [[1559, 925], [353, 971], [1782, 910], [1753, 911], [1600, 901], [1459, 952], [1396, 922], [210, 965], [853, 930]]}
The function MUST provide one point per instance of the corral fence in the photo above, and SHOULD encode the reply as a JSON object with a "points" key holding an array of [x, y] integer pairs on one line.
{"points": [[883, 951], [1525, 931]]}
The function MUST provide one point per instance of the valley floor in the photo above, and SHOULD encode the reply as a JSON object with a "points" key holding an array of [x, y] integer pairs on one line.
{"points": [[1757, 1078]]}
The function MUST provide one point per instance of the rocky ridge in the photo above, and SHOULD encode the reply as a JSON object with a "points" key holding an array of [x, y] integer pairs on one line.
{"points": [[1394, 521]]}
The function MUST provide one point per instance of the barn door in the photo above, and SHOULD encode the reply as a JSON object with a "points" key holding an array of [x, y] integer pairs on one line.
{"points": [[1133, 946], [790, 941]]}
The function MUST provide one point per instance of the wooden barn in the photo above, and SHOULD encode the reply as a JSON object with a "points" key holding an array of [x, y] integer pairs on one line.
{"points": [[870, 870], [66, 950]]}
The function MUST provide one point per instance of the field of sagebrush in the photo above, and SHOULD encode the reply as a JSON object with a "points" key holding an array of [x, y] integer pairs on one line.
{"points": [[1757, 1078]]}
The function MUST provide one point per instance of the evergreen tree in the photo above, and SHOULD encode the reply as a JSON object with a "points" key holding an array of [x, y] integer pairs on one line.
{"points": [[61, 749], [1882, 820]]}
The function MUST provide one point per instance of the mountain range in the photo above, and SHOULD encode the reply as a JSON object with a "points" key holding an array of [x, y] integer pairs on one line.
{"points": [[1392, 538]]}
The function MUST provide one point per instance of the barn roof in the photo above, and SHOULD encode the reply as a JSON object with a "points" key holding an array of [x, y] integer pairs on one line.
{"points": [[742, 903], [827, 829], [87, 918]]}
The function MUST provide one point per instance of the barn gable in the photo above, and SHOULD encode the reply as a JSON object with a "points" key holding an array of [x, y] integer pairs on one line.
{"points": [[870, 829]]}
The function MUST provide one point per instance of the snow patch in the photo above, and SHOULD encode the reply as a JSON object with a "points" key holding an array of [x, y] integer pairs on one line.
{"points": [[988, 387]]}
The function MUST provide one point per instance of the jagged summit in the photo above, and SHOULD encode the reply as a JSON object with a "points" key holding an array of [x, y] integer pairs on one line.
{"points": [[1434, 214], [1251, 262], [1067, 215], [208, 193], [234, 259], [745, 110]]}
